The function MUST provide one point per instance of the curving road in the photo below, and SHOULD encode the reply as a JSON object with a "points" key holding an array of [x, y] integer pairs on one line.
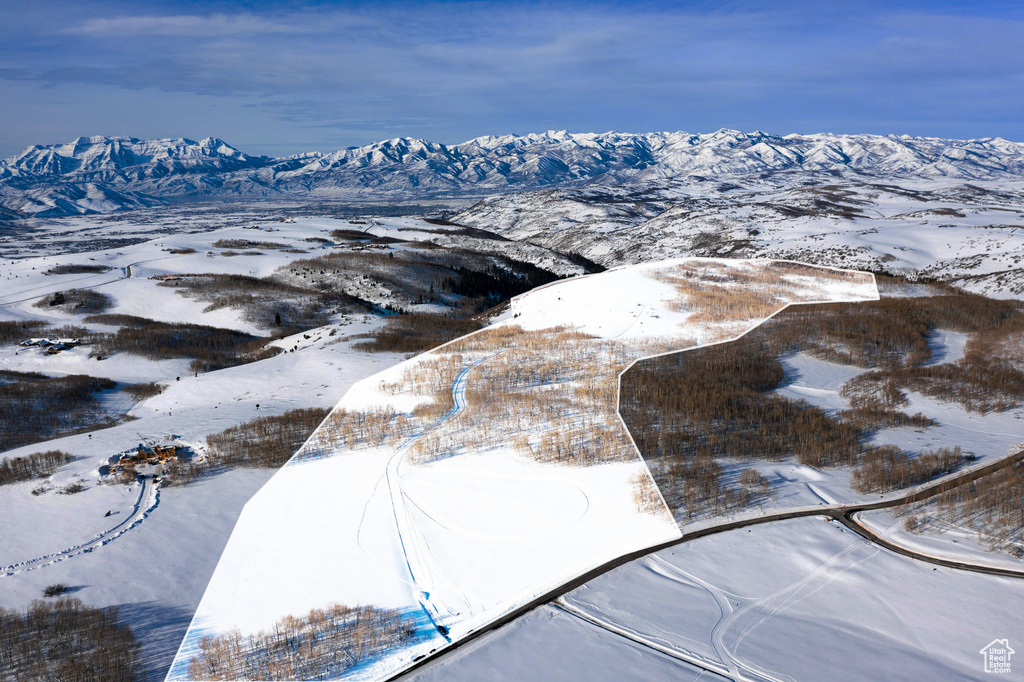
{"points": [[149, 498], [841, 512], [50, 288], [849, 520]]}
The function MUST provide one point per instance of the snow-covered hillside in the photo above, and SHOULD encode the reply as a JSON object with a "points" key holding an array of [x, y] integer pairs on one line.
{"points": [[466, 482], [967, 234], [101, 174], [153, 561]]}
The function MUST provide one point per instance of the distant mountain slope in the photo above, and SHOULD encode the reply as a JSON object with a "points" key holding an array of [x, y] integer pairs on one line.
{"points": [[970, 234], [99, 174]]}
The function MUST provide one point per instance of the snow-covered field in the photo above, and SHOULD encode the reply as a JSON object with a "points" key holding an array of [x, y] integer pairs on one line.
{"points": [[941, 539], [489, 528], [467, 536], [804, 599], [157, 570]]}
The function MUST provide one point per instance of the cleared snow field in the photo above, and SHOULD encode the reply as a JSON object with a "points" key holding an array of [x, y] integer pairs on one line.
{"points": [[470, 536], [803, 599]]}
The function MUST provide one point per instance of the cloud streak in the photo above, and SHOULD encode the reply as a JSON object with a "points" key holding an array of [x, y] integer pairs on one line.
{"points": [[182, 26], [455, 70]]}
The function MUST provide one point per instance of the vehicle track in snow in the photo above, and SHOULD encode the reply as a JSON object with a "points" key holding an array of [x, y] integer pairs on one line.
{"points": [[149, 498], [47, 289], [632, 636], [415, 551]]}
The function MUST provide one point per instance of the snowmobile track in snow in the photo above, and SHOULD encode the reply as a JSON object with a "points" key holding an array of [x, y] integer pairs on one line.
{"points": [[841, 512]]}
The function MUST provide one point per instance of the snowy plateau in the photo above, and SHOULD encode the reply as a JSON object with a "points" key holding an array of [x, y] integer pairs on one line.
{"points": [[456, 351]]}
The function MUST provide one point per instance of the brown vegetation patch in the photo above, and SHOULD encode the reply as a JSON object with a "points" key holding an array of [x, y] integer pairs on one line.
{"points": [[344, 235], [684, 411], [990, 506], [715, 401], [468, 280], [267, 442], [247, 244], [687, 410], [415, 333], [34, 407], [36, 465], [270, 303], [78, 269], [63, 639], [886, 468], [321, 645], [118, 320], [356, 429], [19, 330], [262, 443], [717, 292], [211, 348], [892, 332], [645, 494], [80, 301], [140, 392]]}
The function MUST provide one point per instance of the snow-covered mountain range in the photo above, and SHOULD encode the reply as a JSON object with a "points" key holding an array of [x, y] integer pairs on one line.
{"points": [[101, 174]]}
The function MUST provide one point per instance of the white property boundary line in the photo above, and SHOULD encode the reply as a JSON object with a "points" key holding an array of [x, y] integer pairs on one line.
{"points": [[498, 615], [618, 390], [671, 517]]}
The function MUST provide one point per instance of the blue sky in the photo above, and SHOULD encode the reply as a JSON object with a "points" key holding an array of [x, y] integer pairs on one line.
{"points": [[284, 77]]}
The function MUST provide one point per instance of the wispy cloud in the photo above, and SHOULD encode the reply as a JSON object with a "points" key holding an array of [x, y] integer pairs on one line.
{"points": [[453, 70], [184, 25]]}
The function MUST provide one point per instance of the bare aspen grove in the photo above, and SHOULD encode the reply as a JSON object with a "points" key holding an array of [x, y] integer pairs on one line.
{"points": [[63, 639], [263, 443], [551, 395], [36, 465], [693, 411], [321, 644], [989, 507]]}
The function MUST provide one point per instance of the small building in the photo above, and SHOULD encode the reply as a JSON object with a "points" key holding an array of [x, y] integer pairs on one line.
{"points": [[52, 346]]}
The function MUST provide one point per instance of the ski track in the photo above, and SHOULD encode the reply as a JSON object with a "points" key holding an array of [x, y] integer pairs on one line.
{"points": [[759, 610], [630, 634]]}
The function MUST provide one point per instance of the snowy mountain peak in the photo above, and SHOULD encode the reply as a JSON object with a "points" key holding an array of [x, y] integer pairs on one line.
{"points": [[45, 179]]}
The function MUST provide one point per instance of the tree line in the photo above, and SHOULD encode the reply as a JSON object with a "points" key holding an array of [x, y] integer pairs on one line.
{"points": [[322, 644], [35, 407], [687, 410], [64, 640], [262, 443], [36, 465]]}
